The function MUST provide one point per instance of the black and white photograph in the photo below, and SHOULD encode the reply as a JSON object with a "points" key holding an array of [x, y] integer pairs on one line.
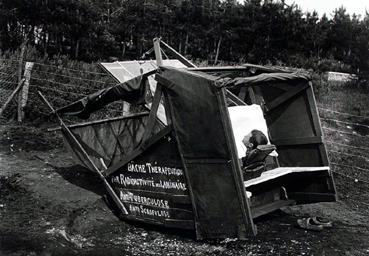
{"points": [[184, 127]]}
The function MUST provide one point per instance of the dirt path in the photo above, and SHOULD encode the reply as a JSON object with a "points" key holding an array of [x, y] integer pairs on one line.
{"points": [[48, 206]]}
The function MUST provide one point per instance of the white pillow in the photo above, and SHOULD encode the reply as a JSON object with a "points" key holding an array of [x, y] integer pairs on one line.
{"points": [[244, 119]]}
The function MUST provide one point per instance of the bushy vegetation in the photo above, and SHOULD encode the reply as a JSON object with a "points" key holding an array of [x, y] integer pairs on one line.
{"points": [[254, 31]]}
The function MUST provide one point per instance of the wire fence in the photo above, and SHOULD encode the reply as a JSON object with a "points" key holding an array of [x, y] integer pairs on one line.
{"points": [[345, 139], [59, 84], [8, 83], [341, 113]]}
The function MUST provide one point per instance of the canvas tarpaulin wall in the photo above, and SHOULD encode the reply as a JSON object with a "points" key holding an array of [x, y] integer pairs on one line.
{"points": [[134, 91], [203, 131], [109, 140]]}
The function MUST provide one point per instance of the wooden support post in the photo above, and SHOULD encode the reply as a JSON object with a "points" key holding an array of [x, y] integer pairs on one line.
{"points": [[152, 116], [158, 56], [23, 94], [107, 186], [181, 58], [20, 69]]}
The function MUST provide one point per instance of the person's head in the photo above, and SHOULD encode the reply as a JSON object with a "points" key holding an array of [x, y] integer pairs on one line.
{"points": [[254, 139]]}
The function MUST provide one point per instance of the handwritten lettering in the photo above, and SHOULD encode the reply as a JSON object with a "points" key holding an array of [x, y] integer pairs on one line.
{"points": [[139, 182], [153, 169], [142, 210], [130, 197]]}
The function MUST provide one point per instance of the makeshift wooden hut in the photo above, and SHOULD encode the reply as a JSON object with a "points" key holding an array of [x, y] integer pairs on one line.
{"points": [[179, 167]]}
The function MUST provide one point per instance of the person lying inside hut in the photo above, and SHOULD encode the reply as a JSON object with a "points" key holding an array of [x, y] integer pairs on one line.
{"points": [[256, 151]]}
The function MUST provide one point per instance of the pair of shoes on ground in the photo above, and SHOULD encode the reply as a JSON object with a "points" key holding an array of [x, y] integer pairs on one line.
{"points": [[314, 223]]}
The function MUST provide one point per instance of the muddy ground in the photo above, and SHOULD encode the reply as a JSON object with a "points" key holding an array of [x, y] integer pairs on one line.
{"points": [[49, 206]]}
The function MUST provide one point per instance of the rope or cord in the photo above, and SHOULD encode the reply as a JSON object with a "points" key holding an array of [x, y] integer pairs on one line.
{"points": [[73, 77], [341, 113], [60, 91], [348, 146], [335, 130], [349, 166], [344, 122], [75, 70], [347, 154], [67, 85]]}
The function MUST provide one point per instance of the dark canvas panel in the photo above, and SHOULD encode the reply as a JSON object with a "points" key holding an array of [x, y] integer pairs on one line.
{"points": [[199, 126], [134, 91], [291, 119], [304, 155], [110, 141], [153, 185]]}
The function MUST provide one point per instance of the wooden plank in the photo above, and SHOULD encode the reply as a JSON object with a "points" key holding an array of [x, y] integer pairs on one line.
{"points": [[259, 97], [323, 154], [267, 208], [316, 124], [176, 54], [282, 86], [242, 94], [231, 102], [23, 94], [101, 121], [138, 151], [286, 96], [20, 66], [99, 172], [180, 151], [235, 99], [219, 69], [152, 116], [182, 224], [282, 171], [313, 197], [121, 147], [252, 95], [244, 67], [207, 161], [313, 111], [266, 69], [158, 56], [266, 196], [236, 168], [297, 141], [166, 108]]}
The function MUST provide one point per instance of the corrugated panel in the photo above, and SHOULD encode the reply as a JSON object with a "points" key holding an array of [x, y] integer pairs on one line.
{"points": [[125, 70]]}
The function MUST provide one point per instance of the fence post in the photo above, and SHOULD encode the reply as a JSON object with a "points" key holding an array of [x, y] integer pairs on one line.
{"points": [[23, 94], [20, 69]]}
